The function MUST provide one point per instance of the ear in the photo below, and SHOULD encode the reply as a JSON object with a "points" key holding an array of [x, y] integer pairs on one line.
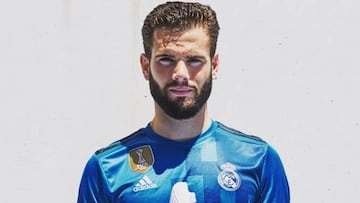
{"points": [[145, 66], [215, 65]]}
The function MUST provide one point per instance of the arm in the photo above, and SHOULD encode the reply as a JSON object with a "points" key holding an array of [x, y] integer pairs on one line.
{"points": [[274, 184], [93, 185]]}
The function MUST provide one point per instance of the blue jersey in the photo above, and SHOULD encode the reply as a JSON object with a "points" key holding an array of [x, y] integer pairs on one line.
{"points": [[220, 165]]}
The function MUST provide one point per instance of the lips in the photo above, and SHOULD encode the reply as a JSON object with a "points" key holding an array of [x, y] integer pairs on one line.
{"points": [[180, 90]]}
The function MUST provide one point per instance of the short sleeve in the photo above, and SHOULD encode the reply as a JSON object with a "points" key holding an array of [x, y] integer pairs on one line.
{"points": [[93, 187], [274, 184]]}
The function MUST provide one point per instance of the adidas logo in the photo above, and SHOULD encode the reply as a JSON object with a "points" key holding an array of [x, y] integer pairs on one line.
{"points": [[144, 184]]}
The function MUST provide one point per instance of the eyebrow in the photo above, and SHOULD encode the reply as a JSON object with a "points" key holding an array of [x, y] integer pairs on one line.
{"points": [[164, 55], [187, 57], [196, 56]]}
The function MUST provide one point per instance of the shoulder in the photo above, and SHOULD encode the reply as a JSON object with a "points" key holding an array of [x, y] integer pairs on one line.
{"points": [[116, 153], [252, 147], [232, 133], [107, 161], [238, 141], [121, 144]]}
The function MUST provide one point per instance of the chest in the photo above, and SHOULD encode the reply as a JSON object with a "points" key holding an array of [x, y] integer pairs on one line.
{"points": [[210, 176]]}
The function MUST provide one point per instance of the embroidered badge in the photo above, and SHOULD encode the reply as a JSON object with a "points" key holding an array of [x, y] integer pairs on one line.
{"points": [[141, 158], [228, 179]]}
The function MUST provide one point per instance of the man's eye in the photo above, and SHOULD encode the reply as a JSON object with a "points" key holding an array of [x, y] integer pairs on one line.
{"points": [[194, 62], [166, 61]]}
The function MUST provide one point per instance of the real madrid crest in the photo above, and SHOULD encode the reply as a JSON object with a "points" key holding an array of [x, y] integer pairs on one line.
{"points": [[228, 179], [141, 158]]}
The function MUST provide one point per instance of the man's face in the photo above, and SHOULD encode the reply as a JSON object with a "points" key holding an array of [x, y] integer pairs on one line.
{"points": [[180, 71]]}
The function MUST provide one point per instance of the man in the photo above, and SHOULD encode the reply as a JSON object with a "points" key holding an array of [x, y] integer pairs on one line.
{"points": [[183, 155]]}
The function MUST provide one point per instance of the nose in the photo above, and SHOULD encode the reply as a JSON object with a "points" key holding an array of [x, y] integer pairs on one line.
{"points": [[181, 73]]}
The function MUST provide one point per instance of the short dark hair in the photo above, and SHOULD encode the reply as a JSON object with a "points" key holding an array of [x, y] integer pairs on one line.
{"points": [[180, 16]]}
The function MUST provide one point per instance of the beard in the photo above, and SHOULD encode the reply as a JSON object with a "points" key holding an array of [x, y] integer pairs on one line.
{"points": [[181, 107]]}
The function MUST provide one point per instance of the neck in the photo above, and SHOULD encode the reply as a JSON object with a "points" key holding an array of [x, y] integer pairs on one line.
{"points": [[180, 130]]}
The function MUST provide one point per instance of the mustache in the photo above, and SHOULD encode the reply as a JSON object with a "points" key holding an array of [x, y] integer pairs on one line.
{"points": [[175, 83]]}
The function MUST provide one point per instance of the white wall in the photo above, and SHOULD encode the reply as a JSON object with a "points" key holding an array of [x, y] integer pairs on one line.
{"points": [[70, 83]]}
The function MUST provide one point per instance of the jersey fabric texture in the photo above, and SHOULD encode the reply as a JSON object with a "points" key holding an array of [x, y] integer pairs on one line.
{"points": [[220, 165]]}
